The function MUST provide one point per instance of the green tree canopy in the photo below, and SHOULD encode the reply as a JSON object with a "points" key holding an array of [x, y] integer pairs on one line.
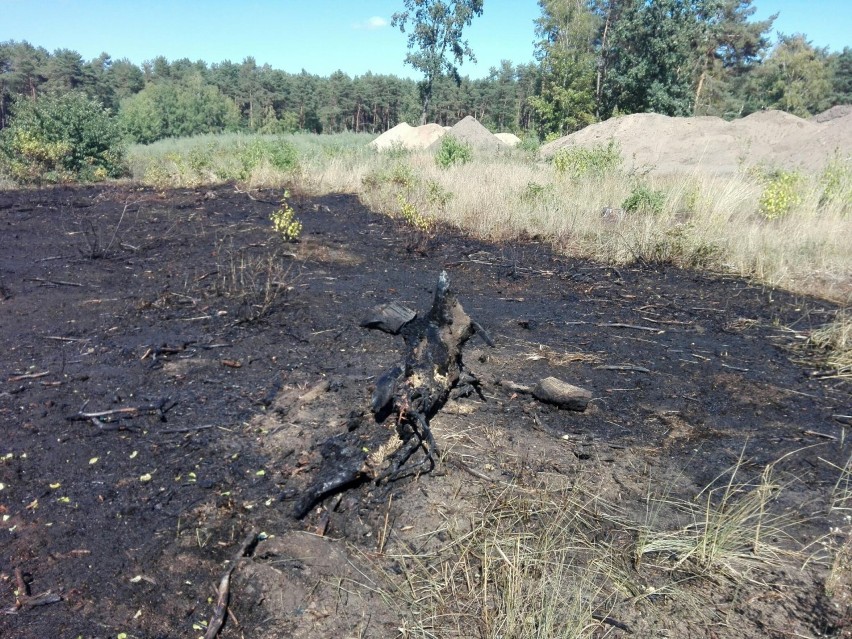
{"points": [[178, 108], [565, 100], [795, 77], [652, 57], [435, 41]]}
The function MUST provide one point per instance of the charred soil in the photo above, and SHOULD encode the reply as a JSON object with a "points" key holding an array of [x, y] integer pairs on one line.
{"points": [[173, 373]]}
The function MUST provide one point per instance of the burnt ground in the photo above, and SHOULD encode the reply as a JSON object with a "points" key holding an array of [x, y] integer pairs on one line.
{"points": [[229, 357]]}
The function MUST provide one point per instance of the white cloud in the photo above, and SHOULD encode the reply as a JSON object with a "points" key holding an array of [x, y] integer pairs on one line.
{"points": [[370, 24]]}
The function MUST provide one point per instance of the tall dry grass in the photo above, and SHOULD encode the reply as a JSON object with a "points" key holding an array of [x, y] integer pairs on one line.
{"points": [[717, 222]]}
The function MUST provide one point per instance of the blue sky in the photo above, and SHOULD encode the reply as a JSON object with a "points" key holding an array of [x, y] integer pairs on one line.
{"points": [[320, 36]]}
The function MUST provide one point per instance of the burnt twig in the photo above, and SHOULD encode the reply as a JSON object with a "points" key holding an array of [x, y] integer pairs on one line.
{"points": [[221, 608], [24, 600]]}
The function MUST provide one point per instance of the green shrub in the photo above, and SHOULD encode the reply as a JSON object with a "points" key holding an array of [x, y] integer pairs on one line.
{"points": [[60, 138], [529, 144], [453, 151], [643, 199], [284, 221], [836, 183], [535, 192], [408, 212], [280, 155], [780, 194], [578, 161], [437, 195]]}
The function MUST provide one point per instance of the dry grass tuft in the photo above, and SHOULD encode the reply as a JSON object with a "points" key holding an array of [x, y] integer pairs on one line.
{"points": [[555, 559], [729, 530], [527, 566], [834, 342]]}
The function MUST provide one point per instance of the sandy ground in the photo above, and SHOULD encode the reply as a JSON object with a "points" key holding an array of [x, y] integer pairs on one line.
{"points": [[663, 144], [772, 139]]}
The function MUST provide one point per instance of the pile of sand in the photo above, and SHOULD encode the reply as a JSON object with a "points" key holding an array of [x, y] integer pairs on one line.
{"points": [[834, 112], [409, 137], [428, 136], [508, 138], [470, 131], [665, 144]]}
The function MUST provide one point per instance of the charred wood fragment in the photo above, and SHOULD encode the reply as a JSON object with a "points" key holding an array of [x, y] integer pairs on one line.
{"points": [[389, 318]]}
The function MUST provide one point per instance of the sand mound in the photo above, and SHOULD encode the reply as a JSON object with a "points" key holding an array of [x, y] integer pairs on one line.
{"points": [[392, 137], [428, 136], [834, 112], [508, 138], [670, 145], [408, 137], [470, 131]]}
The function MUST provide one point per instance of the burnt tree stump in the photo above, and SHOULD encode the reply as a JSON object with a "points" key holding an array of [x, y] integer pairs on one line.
{"points": [[406, 397]]}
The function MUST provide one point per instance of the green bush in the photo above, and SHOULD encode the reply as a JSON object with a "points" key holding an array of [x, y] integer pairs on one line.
{"points": [[453, 151], [529, 144], [644, 200], [284, 221], [280, 155], [437, 195], [781, 193], [535, 192], [578, 161], [60, 138], [177, 109], [836, 183]]}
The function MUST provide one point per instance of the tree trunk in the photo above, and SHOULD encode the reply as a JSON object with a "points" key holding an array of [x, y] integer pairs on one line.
{"points": [[698, 91], [406, 397], [427, 98], [602, 65]]}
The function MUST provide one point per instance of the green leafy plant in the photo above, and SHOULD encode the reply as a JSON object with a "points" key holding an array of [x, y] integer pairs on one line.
{"points": [[534, 192], [284, 221], [62, 137], [453, 151], [836, 183], [437, 195], [781, 194], [643, 199], [578, 161], [408, 212], [529, 144]]}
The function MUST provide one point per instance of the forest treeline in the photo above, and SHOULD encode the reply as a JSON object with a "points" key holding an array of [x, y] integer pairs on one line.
{"points": [[593, 59]]}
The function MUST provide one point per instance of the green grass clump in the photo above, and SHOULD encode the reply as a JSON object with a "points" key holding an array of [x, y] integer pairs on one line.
{"points": [[453, 151], [577, 161]]}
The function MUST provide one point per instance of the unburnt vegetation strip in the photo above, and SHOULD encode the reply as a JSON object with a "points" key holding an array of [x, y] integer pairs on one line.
{"points": [[163, 410]]}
